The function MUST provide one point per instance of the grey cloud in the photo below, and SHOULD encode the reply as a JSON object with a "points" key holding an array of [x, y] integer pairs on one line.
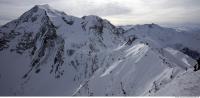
{"points": [[109, 9], [24, 2], [173, 3], [183, 3], [4, 19], [140, 11]]}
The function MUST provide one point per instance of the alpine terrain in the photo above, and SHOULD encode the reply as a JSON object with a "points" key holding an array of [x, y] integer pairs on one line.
{"points": [[47, 52]]}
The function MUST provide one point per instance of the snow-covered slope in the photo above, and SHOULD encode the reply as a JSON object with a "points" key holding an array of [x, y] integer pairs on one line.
{"points": [[47, 52], [167, 37], [138, 69], [186, 84]]}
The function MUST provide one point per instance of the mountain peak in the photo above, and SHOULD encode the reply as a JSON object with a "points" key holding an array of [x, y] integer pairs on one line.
{"points": [[44, 6]]}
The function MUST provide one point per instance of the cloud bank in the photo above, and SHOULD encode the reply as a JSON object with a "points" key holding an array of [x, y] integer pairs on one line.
{"points": [[117, 11]]}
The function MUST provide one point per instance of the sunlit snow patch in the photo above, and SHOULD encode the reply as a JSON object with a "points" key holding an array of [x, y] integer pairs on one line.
{"points": [[114, 65], [137, 52]]}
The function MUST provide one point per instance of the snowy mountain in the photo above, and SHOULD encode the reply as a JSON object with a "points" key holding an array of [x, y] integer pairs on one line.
{"points": [[189, 27], [47, 52]]}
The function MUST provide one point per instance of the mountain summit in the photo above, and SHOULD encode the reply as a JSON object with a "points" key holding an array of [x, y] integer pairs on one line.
{"points": [[47, 52]]}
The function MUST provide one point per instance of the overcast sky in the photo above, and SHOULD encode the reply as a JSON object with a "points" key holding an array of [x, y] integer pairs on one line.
{"points": [[119, 12]]}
